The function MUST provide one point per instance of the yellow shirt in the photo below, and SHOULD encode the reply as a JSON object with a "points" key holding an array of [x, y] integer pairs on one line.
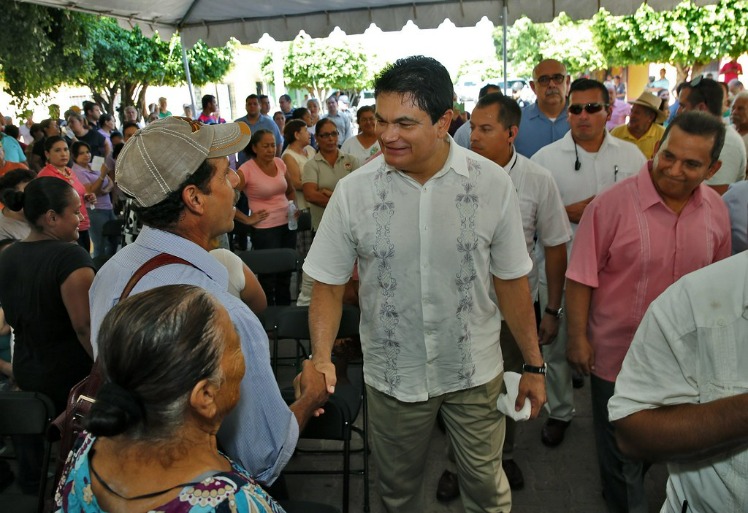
{"points": [[646, 142]]}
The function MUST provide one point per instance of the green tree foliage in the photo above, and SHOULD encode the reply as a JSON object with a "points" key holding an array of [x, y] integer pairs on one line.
{"points": [[688, 37], [320, 66], [40, 48], [485, 69], [563, 39], [126, 62], [44, 48]]}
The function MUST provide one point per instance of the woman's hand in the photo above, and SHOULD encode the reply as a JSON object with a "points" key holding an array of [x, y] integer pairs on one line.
{"points": [[257, 217], [90, 197]]}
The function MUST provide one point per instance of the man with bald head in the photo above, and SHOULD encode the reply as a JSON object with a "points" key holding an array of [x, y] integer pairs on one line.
{"points": [[544, 121]]}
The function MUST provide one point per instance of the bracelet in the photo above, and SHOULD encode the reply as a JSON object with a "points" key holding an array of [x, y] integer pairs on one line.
{"points": [[534, 370]]}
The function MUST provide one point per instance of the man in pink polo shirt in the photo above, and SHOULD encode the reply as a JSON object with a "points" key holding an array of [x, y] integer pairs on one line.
{"points": [[633, 241]]}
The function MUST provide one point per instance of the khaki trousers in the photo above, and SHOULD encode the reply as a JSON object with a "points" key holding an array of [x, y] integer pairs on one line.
{"points": [[400, 434]]}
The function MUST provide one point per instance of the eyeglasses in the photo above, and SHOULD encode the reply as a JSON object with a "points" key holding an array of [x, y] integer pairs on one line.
{"points": [[546, 79], [327, 135], [589, 108]]}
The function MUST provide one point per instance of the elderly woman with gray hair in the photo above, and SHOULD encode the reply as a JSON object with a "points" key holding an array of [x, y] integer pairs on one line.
{"points": [[171, 365]]}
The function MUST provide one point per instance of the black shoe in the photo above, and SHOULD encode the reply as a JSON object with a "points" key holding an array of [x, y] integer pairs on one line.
{"points": [[553, 432], [447, 489], [577, 380], [513, 474]]}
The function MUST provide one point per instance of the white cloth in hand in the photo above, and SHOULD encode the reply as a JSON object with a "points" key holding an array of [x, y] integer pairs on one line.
{"points": [[505, 402]]}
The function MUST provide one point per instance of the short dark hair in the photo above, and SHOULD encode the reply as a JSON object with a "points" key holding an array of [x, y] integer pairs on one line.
{"points": [[252, 97], [46, 123], [254, 140], [262, 97], [207, 99], [154, 347], [12, 131], [299, 112], [51, 141], [166, 214], [129, 124], [322, 122], [284, 97], [588, 84], [75, 148], [484, 90], [364, 109], [509, 112], [700, 124], [36, 128], [89, 107], [12, 179], [40, 196], [710, 91], [425, 79], [104, 118], [289, 131]]}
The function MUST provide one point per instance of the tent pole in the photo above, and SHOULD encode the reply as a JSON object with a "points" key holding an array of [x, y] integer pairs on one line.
{"points": [[186, 65], [504, 16]]}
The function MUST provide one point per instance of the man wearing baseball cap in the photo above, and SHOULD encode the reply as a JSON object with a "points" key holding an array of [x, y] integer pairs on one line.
{"points": [[177, 173], [645, 124]]}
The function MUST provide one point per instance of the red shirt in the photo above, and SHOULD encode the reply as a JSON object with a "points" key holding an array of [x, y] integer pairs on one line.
{"points": [[50, 170]]}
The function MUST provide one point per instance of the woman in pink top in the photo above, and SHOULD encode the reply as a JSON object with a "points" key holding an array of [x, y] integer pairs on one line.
{"points": [[58, 155], [268, 190]]}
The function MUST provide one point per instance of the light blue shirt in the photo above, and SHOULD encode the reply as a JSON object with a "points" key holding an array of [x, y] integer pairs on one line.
{"points": [[13, 150], [261, 432], [462, 135], [736, 199], [537, 131]]}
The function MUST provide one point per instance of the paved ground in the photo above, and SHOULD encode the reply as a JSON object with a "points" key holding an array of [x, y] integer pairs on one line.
{"points": [[562, 479]]}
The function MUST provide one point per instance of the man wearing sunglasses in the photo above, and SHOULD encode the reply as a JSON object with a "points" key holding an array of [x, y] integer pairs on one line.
{"points": [[584, 162], [635, 240], [706, 95], [544, 121]]}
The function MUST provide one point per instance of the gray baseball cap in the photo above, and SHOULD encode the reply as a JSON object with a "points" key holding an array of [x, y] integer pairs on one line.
{"points": [[161, 156]]}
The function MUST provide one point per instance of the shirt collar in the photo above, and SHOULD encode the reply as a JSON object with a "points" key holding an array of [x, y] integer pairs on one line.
{"points": [[650, 196], [158, 240]]}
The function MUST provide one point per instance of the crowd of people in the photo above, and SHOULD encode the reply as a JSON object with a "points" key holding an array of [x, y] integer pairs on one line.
{"points": [[581, 235]]}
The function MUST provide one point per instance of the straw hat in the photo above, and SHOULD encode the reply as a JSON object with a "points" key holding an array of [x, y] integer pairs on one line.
{"points": [[653, 103]]}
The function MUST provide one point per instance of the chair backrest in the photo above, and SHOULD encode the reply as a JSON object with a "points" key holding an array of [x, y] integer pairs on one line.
{"points": [[270, 261], [25, 413], [305, 221], [293, 322]]}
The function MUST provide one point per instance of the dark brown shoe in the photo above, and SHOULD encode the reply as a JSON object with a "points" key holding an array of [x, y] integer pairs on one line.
{"points": [[447, 489], [513, 474], [553, 432]]}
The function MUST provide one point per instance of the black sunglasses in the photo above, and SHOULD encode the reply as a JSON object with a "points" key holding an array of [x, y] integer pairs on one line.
{"points": [[590, 108], [546, 79]]}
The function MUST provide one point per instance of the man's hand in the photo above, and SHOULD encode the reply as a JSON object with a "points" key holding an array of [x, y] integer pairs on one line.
{"points": [[575, 210], [309, 386], [531, 386], [548, 329], [328, 369], [580, 355]]}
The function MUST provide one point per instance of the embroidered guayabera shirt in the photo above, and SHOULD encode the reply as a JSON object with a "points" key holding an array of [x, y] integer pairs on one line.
{"points": [[426, 254]]}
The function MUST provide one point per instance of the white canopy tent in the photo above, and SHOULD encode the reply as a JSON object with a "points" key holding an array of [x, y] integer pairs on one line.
{"points": [[215, 21]]}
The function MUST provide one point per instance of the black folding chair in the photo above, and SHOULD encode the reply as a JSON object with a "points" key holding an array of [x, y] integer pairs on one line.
{"points": [[270, 261], [343, 407], [29, 413]]}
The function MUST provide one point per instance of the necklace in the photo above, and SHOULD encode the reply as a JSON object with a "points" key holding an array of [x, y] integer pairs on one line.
{"points": [[136, 497]]}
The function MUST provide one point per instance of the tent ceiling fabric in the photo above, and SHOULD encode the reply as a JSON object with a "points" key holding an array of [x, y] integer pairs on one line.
{"points": [[215, 21]]}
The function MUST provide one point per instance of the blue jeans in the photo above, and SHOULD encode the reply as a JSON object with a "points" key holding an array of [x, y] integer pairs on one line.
{"points": [[102, 245]]}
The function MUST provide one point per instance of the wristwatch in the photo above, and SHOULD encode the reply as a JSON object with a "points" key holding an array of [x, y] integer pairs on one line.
{"points": [[558, 314], [534, 370]]}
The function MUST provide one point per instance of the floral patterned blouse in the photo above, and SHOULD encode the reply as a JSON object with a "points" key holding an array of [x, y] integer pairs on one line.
{"points": [[233, 491]]}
